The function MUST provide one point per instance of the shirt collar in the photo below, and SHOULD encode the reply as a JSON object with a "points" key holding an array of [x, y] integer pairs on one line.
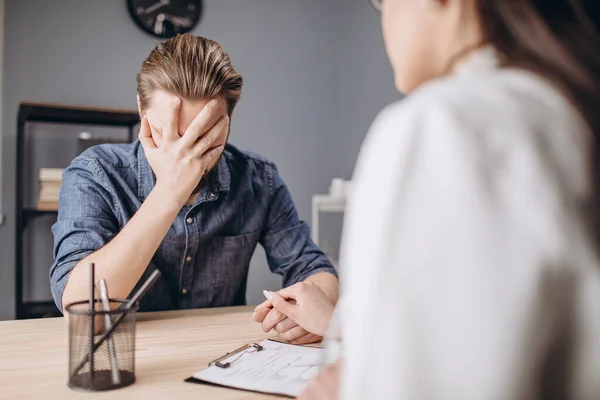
{"points": [[481, 61], [219, 179]]}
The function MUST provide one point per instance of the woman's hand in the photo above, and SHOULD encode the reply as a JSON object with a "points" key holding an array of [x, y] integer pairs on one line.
{"points": [[309, 306], [324, 386], [179, 162], [288, 330]]}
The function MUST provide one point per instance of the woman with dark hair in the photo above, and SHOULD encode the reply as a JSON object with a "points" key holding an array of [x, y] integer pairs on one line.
{"points": [[470, 264]]}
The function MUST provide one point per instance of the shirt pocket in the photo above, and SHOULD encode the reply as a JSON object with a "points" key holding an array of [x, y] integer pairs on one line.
{"points": [[234, 242], [228, 264]]}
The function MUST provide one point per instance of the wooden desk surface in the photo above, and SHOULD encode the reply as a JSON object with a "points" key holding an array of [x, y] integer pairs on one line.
{"points": [[171, 346]]}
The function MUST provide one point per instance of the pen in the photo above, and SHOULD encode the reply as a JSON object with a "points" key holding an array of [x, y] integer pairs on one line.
{"points": [[114, 367], [92, 317], [134, 299]]}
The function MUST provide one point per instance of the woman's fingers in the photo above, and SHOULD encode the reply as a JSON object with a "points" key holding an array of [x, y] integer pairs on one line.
{"points": [[291, 292], [325, 385], [287, 293], [307, 339], [285, 325], [293, 333], [281, 305], [273, 318], [264, 304], [259, 315]]}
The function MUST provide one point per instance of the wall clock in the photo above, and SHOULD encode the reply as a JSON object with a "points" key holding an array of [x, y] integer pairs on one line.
{"points": [[165, 18]]}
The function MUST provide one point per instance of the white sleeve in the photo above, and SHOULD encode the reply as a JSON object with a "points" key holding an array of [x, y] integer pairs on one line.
{"points": [[452, 266]]}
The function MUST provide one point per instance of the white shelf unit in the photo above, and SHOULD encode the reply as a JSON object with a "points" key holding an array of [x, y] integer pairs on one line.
{"points": [[325, 203]]}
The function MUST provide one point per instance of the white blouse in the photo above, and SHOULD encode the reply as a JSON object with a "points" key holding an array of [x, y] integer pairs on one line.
{"points": [[469, 268]]}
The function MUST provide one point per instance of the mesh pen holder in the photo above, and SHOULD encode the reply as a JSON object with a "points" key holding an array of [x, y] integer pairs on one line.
{"points": [[112, 365]]}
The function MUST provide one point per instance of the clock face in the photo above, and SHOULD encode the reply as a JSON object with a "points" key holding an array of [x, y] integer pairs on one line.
{"points": [[165, 18]]}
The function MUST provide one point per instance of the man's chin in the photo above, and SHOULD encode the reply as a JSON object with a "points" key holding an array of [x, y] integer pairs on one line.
{"points": [[201, 185], [204, 180]]}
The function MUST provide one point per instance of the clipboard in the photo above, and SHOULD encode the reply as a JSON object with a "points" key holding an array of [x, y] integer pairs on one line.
{"points": [[269, 367], [219, 361]]}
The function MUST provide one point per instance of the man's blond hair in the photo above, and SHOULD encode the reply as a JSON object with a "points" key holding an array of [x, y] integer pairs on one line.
{"points": [[191, 68]]}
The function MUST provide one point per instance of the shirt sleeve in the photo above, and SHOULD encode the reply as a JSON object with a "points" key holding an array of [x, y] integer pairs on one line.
{"points": [[86, 221], [286, 239]]}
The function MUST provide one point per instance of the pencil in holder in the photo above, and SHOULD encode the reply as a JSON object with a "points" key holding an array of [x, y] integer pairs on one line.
{"points": [[112, 364]]}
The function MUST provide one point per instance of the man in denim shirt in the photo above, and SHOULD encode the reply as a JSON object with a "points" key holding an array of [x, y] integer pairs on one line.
{"points": [[182, 201]]}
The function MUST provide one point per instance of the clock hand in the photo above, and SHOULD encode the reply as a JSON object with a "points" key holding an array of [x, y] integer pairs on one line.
{"points": [[179, 21], [158, 25], [156, 6]]}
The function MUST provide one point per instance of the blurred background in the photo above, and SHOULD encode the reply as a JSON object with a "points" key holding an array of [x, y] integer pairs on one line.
{"points": [[315, 76]]}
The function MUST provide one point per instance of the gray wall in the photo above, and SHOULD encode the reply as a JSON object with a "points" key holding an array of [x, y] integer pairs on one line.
{"points": [[306, 103], [1, 76], [364, 78]]}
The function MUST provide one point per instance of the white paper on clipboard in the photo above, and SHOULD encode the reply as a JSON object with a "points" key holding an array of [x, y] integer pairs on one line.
{"points": [[279, 368]]}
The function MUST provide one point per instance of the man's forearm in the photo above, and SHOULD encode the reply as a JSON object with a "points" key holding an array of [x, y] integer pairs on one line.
{"points": [[328, 283], [123, 261]]}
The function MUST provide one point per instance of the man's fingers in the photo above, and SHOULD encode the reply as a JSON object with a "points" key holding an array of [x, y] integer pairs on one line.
{"points": [[210, 156], [171, 127], [293, 334], [145, 135], [285, 326], [273, 318], [259, 316], [207, 141], [204, 121]]}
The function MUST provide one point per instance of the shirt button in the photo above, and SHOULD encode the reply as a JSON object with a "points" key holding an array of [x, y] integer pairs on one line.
{"points": [[189, 220], [212, 195], [188, 259], [184, 291]]}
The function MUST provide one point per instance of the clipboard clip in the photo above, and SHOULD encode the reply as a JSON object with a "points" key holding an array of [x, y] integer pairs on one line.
{"points": [[249, 348]]}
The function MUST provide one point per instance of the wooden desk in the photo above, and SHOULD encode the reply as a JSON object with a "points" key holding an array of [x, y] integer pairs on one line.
{"points": [[171, 346]]}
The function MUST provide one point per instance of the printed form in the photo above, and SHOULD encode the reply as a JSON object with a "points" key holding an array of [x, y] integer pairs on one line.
{"points": [[278, 368]]}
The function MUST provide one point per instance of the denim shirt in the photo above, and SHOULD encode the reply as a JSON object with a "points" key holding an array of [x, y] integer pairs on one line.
{"points": [[205, 255]]}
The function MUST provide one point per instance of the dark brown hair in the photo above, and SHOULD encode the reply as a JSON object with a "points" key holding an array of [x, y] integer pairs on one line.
{"points": [[560, 41], [557, 39], [192, 68]]}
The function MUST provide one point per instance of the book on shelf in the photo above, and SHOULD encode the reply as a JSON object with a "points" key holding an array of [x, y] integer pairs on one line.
{"points": [[50, 180], [45, 198], [47, 205], [51, 174], [49, 192]]}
